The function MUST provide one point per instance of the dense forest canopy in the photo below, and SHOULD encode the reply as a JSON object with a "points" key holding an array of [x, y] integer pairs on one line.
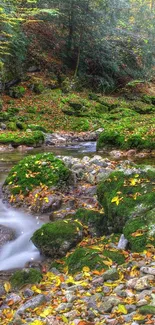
{"points": [[103, 42]]}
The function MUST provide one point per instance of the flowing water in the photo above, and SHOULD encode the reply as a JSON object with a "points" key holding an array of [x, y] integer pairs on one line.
{"points": [[21, 250], [16, 253]]}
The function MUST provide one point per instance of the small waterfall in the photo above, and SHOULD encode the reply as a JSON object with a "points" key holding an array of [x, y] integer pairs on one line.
{"points": [[16, 253]]}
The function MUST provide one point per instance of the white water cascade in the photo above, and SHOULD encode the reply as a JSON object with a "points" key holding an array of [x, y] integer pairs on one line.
{"points": [[17, 252]]}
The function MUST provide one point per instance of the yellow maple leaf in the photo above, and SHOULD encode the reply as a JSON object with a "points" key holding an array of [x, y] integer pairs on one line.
{"points": [[35, 289], [108, 263], [133, 181], [86, 269], [116, 199], [7, 286], [46, 312], [139, 317], [122, 309]]}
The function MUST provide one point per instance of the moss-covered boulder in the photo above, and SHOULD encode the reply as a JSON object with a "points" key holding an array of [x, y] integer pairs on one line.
{"points": [[123, 130], [147, 310], [30, 139], [125, 196], [27, 276], [38, 170], [94, 220], [140, 231], [57, 238], [95, 259]]}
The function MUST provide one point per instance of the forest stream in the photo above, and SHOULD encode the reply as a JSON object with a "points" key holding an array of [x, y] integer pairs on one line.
{"points": [[17, 252]]}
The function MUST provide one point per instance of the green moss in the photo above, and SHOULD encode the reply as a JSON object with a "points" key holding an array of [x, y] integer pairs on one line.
{"points": [[34, 127], [147, 310], [51, 236], [115, 256], [128, 132], [17, 92], [84, 257], [94, 220], [149, 99], [110, 138], [140, 231], [20, 278], [12, 126], [16, 139], [142, 108], [33, 170], [128, 192], [90, 257]]}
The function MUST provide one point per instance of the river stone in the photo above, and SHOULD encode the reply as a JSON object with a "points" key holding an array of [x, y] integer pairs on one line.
{"points": [[123, 242], [148, 270], [111, 274], [32, 304], [6, 235], [140, 283], [64, 307], [2, 290]]}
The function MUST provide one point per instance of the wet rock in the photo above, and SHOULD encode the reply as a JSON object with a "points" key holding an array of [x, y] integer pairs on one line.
{"points": [[6, 235], [53, 204], [3, 126], [32, 304], [123, 242]]}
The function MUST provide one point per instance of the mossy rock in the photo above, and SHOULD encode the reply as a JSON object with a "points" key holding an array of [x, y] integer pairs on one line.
{"points": [[111, 138], [90, 257], [28, 276], [95, 221], [12, 126], [57, 238], [148, 99], [32, 171], [4, 116], [120, 112], [130, 132], [124, 196], [34, 127], [142, 108], [147, 310], [140, 231], [36, 85], [17, 92], [31, 139]]}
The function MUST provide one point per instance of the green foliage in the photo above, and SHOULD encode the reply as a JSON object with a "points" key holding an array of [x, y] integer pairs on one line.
{"points": [[30, 276], [35, 170], [17, 92]]}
